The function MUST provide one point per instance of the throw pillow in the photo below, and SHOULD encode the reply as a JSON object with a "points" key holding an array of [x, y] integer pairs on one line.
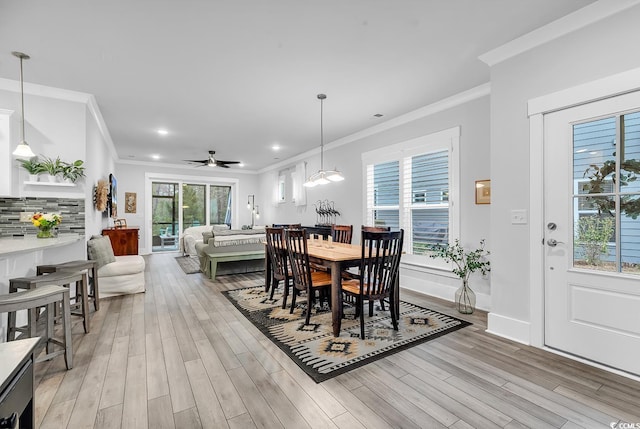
{"points": [[99, 249], [220, 227], [206, 236]]}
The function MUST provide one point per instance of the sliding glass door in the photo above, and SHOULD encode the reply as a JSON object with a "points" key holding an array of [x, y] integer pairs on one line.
{"points": [[176, 206], [164, 215]]}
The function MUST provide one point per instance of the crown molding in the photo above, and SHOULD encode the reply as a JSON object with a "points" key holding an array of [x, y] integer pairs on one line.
{"points": [[567, 24], [95, 112], [45, 91], [422, 112]]}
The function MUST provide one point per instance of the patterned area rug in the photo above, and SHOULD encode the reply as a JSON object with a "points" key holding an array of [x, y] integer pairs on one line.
{"points": [[189, 264], [323, 356]]}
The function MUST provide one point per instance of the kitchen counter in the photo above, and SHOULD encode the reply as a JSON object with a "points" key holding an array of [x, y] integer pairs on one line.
{"points": [[30, 243]]}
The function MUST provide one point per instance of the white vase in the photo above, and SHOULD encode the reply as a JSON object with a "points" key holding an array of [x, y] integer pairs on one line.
{"points": [[51, 178], [33, 177]]}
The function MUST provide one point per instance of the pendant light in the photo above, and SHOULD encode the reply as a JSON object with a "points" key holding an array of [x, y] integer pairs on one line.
{"points": [[23, 148], [322, 177]]}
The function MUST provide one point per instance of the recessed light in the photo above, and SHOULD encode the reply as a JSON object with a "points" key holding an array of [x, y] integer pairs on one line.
{"points": [[275, 147], [155, 156], [241, 164], [163, 132]]}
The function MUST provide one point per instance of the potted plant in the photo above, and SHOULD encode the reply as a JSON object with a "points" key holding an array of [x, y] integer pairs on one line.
{"points": [[465, 263], [33, 167], [73, 171], [52, 167]]}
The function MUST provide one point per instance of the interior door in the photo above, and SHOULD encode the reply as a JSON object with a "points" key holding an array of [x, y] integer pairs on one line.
{"points": [[592, 231]]}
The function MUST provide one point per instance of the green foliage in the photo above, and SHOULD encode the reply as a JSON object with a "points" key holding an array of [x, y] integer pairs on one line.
{"points": [[73, 171], [465, 262], [593, 234], [52, 166], [32, 165]]}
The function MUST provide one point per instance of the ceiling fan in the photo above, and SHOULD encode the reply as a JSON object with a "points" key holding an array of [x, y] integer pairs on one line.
{"points": [[212, 161]]}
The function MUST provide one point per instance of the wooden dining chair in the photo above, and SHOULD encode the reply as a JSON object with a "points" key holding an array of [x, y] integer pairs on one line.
{"points": [[341, 233], [278, 258], [377, 274], [304, 278]]}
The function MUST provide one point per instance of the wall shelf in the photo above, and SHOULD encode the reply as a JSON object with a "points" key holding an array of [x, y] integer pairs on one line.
{"points": [[49, 183]]}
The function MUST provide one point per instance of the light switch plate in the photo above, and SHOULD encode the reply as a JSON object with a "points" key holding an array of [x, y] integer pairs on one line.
{"points": [[519, 217]]}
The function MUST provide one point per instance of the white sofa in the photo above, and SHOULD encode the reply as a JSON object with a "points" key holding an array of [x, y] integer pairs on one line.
{"points": [[117, 275], [193, 235]]}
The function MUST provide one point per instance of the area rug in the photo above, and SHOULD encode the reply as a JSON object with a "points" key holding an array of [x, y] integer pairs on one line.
{"points": [[323, 356], [189, 264]]}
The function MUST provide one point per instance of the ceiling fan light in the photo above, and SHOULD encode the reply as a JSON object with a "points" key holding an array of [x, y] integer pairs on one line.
{"points": [[24, 150], [309, 183]]}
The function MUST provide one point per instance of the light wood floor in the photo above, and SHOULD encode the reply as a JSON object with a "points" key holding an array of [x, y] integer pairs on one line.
{"points": [[182, 356]]}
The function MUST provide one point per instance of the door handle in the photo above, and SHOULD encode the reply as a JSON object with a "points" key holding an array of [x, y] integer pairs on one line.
{"points": [[552, 242]]}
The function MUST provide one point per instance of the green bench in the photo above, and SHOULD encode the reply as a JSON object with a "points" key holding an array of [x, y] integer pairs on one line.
{"points": [[212, 259]]}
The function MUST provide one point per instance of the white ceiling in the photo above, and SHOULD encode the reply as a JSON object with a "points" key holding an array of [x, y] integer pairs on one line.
{"points": [[240, 76]]}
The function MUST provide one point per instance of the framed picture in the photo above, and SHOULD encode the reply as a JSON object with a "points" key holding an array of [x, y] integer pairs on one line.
{"points": [[130, 202], [120, 223], [483, 191]]}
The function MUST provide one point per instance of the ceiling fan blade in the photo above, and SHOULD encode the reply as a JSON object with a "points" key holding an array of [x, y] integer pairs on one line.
{"points": [[227, 162], [201, 161], [221, 165]]}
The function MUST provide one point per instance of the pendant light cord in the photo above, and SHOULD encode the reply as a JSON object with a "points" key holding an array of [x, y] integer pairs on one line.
{"points": [[321, 135], [21, 101]]}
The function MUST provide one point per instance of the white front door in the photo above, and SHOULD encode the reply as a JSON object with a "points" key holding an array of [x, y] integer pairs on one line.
{"points": [[592, 231]]}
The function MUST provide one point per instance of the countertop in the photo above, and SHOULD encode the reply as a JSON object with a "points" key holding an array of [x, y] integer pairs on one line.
{"points": [[30, 243], [11, 354]]}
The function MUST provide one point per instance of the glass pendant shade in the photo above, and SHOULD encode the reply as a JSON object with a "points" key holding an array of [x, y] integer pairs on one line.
{"points": [[24, 150]]}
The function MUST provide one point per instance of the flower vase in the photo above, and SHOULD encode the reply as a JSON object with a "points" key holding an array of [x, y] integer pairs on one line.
{"points": [[44, 233], [465, 299]]}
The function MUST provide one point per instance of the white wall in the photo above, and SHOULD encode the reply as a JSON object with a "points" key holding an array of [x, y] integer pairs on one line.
{"points": [[599, 50], [472, 117], [99, 163]]}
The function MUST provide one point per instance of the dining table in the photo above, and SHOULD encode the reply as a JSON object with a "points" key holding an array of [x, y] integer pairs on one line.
{"points": [[336, 257]]}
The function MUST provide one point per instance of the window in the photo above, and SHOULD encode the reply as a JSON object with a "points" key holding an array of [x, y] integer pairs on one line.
{"points": [[411, 185]]}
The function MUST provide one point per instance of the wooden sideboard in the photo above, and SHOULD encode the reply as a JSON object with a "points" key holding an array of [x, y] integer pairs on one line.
{"points": [[123, 240]]}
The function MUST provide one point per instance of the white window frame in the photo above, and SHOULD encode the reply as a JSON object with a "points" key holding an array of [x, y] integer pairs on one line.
{"points": [[448, 139]]}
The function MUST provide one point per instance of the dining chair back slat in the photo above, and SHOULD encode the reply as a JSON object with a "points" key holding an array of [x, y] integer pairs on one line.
{"points": [[341, 233], [304, 280], [278, 258], [378, 273]]}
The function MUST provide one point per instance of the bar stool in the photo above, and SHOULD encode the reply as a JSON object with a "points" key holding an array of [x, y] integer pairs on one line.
{"points": [[45, 295], [61, 279], [80, 265]]}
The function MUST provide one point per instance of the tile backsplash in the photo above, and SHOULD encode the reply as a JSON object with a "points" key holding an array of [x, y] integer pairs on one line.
{"points": [[71, 210]]}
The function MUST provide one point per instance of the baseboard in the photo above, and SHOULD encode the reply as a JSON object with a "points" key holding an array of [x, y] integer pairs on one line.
{"points": [[445, 292], [509, 328]]}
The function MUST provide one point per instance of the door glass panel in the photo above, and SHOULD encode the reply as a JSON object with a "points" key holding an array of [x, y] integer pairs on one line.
{"points": [[594, 238], [630, 155], [164, 215], [600, 206], [193, 205], [220, 205], [594, 155], [630, 234]]}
